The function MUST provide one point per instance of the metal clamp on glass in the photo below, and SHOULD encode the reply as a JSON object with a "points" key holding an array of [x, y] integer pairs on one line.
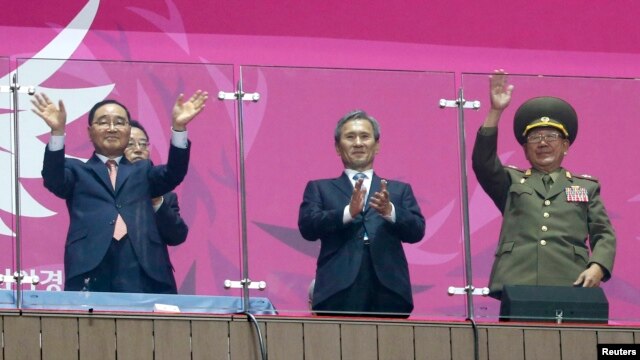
{"points": [[559, 314], [256, 285], [475, 105], [13, 88], [238, 95], [20, 278], [452, 290]]}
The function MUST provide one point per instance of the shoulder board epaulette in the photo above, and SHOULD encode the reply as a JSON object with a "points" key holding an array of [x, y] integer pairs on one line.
{"points": [[513, 167], [585, 176]]}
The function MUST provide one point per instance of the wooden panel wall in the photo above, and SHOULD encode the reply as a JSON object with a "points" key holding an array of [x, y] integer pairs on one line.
{"points": [[37, 336]]}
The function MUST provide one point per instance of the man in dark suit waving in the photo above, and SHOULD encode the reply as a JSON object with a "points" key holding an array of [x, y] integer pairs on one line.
{"points": [[113, 242], [361, 221]]}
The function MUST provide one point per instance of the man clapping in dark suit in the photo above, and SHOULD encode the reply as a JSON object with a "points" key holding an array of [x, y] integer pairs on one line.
{"points": [[113, 242], [361, 221], [172, 228]]}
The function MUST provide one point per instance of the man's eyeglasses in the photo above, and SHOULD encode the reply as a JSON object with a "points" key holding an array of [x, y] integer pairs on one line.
{"points": [[143, 145], [105, 123], [548, 138]]}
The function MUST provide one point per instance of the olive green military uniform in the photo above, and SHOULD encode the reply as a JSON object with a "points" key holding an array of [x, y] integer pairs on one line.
{"points": [[543, 240]]}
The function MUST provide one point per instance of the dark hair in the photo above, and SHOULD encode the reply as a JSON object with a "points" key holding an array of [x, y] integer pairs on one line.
{"points": [[357, 115], [95, 107], [136, 124]]}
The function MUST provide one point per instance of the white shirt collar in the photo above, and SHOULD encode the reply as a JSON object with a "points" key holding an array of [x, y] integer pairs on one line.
{"points": [[350, 173], [105, 158]]}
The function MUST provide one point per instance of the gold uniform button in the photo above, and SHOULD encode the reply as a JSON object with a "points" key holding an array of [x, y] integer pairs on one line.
{"points": [[546, 215], [547, 202], [522, 181], [543, 242], [544, 228]]}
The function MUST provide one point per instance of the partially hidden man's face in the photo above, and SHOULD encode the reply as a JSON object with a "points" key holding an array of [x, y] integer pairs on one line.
{"points": [[110, 130], [548, 153], [357, 146], [138, 148]]}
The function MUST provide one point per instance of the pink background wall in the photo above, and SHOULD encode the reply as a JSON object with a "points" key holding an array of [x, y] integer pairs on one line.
{"points": [[145, 53]]}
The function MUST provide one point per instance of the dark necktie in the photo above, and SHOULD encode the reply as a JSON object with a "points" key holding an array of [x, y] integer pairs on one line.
{"points": [[120, 230], [359, 176], [362, 176], [547, 181]]}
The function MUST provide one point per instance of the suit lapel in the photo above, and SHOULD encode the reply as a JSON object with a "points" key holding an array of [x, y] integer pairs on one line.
{"points": [[560, 184], [534, 180], [124, 170], [101, 171], [344, 185], [537, 184]]}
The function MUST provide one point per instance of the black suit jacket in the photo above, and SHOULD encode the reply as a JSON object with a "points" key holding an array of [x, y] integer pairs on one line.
{"points": [[342, 245], [173, 230], [93, 206]]}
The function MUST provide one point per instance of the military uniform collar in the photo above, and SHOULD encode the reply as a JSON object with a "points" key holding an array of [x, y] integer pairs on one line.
{"points": [[556, 175]]}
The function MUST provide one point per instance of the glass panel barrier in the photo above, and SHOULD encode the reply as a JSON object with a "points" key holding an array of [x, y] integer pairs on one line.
{"points": [[7, 189], [208, 196], [289, 137], [604, 148]]}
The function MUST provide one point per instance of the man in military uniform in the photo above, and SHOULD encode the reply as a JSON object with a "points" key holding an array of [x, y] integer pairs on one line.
{"points": [[548, 212]]}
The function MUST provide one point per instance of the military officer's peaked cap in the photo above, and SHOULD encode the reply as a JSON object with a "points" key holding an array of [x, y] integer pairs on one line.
{"points": [[545, 111]]}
